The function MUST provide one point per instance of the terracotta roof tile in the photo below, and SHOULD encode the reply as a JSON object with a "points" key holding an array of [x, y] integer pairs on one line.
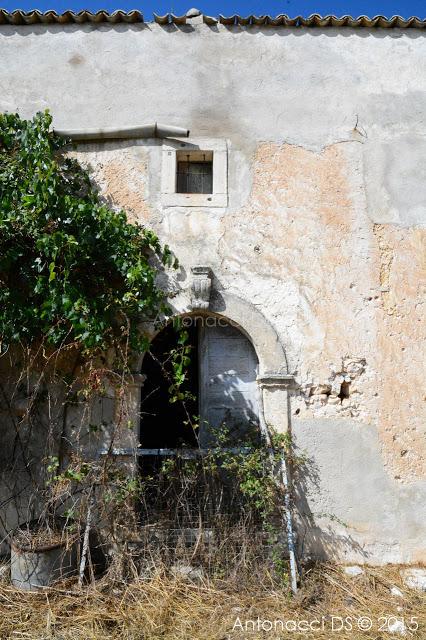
{"points": [[315, 20]]}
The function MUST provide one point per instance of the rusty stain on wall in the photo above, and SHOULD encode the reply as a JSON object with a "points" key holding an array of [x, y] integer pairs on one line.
{"points": [[400, 336], [121, 176], [386, 259], [124, 184], [301, 225]]}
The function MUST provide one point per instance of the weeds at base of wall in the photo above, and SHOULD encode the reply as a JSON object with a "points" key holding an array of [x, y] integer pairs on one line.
{"points": [[177, 608]]}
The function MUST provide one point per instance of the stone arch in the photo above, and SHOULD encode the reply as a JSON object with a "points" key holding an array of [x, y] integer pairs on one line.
{"points": [[260, 332], [248, 319], [276, 383]]}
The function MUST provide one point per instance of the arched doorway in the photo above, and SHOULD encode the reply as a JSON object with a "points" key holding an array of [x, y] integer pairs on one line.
{"points": [[198, 512], [187, 487], [203, 498], [220, 386]]}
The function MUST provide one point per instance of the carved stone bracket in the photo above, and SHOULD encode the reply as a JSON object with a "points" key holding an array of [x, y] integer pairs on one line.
{"points": [[200, 287]]}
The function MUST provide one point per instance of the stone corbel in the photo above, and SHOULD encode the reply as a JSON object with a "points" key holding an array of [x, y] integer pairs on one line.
{"points": [[277, 380], [200, 288]]}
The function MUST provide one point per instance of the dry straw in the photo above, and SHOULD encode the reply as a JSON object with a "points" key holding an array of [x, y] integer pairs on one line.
{"points": [[174, 608]]}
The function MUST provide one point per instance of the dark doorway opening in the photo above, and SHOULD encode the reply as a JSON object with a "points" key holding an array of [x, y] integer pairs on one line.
{"points": [[164, 424], [183, 486], [220, 387]]}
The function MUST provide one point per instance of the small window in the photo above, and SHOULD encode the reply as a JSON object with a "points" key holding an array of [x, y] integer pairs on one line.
{"points": [[194, 172]]}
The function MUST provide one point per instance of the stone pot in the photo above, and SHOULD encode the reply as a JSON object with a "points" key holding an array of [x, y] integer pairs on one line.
{"points": [[35, 566]]}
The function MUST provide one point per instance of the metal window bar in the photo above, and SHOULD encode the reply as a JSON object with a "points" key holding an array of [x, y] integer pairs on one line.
{"points": [[194, 177], [180, 452]]}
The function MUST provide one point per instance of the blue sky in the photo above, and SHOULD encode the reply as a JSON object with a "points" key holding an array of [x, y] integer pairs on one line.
{"points": [[405, 8]]}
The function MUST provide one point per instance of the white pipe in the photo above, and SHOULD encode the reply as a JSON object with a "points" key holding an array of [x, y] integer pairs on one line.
{"points": [[289, 525], [155, 130], [287, 503]]}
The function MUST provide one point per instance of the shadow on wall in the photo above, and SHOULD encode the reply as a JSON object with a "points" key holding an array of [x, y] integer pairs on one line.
{"points": [[313, 541], [236, 30]]}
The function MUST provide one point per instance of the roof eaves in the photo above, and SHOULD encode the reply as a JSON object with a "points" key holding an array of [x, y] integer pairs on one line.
{"points": [[68, 17], [19, 17], [170, 18], [316, 20]]}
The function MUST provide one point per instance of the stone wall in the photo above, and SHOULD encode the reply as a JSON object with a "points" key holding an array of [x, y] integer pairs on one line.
{"points": [[323, 234]]}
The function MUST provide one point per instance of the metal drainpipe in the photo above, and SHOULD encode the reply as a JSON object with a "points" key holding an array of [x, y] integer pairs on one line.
{"points": [[289, 525], [155, 130]]}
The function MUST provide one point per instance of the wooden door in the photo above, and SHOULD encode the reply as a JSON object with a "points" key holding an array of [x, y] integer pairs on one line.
{"points": [[228, 388]]}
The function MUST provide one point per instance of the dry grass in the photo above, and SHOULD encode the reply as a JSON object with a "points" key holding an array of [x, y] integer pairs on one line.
{"points": [[177, 609]]}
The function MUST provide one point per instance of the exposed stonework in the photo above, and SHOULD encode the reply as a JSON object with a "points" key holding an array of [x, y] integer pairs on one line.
{"points": [[121, 176], [340, 395], [386, 259]]}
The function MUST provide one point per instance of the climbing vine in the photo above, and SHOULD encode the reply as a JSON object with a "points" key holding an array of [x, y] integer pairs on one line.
{"points": [[72, 270], [76, 281]]}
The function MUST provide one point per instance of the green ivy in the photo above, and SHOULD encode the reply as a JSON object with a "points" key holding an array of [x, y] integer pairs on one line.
{"points": [[72, 270]]}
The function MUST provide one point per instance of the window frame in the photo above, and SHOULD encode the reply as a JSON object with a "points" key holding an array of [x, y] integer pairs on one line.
{"points": [[219, 195]]}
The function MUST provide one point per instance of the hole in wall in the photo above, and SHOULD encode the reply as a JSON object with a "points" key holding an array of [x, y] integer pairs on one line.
{"points": [[344, 390]]}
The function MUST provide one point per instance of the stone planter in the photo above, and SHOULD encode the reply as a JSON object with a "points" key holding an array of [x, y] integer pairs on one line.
{"points": [[35, 566]]}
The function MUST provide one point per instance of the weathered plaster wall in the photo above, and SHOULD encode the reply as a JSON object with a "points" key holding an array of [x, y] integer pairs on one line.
{"points": [[324, 232], [378, 522]]}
